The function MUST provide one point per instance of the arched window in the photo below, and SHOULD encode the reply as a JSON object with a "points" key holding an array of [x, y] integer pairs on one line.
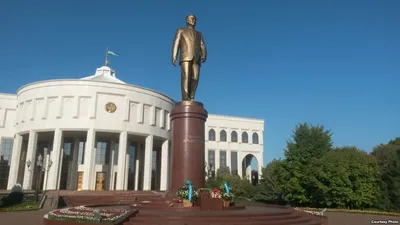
{"points": [[245, 137], [234, 136], [211, 135], [222, 136], [255, 138]]}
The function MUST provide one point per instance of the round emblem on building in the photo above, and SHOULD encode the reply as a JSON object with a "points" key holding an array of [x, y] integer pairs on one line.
{"points": [[111, 107]]}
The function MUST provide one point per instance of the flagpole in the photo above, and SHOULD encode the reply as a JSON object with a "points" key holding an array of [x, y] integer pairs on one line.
{"points": [[106, 63]]}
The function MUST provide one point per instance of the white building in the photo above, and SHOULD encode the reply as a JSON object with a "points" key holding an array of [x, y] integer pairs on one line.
{"points": [[99, 133]]}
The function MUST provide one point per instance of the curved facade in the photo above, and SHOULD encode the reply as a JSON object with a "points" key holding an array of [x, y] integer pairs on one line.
{"points": [[99, 133]]}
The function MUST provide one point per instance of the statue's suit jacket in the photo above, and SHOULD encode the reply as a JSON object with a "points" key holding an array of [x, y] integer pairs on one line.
{"points": [[190, 44]]}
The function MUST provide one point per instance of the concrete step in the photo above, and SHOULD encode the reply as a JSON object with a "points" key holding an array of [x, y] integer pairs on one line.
{"points": [[139, 217], [230, 220], [214, 221]]}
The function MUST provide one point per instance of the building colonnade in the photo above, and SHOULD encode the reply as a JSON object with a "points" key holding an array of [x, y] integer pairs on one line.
{"points": [[90, 160]]}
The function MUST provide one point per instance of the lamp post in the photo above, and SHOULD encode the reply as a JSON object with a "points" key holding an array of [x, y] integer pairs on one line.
{"points": [[41, 169]]}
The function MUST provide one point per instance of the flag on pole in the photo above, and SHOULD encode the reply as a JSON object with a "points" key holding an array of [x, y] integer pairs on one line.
{"points": [[111, 53], [108, 52]]}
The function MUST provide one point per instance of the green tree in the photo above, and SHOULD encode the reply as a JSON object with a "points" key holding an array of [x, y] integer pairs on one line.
{"points": [[309, 143], [273, 179], [388, 157], [346, 178]]}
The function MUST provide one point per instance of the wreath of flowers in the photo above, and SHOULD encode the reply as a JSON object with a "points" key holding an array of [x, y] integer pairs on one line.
{"points": [[224, 194], [183, 193]]}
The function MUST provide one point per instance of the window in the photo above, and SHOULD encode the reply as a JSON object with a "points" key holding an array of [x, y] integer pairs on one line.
{"points": [[255, 138], [101, 153], [81, 153], [222, 136], [5, 161], [245, 137], [67, 149], [211, 135], [222, 159], [234, 162], [6, 151], [234, 136], [211, 160]]}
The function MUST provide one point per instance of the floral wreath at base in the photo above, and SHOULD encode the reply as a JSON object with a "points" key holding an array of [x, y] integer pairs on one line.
{"points": [[183, 193], [225, 195]]}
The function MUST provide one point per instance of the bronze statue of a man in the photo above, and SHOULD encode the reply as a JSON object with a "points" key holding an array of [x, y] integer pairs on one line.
{"points": [[190, 44]]}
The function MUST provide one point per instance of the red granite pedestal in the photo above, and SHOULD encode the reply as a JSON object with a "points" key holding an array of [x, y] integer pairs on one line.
{"points": [[188, 130]]}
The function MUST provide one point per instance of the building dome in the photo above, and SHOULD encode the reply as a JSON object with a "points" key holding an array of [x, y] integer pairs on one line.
{"points": [[105, 74]]}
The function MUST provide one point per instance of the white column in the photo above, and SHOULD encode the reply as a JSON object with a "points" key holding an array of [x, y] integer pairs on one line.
{"points": [[30, 155], [148, 153], [137, 166], [89, 176], [111, 166], [55, 155], [15, 159], [74, 170], [216, 166], [123, 136], [164, 166]]}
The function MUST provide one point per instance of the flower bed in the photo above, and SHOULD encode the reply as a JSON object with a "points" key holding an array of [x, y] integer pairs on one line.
{"points": [[89, 215], [351, 211]]}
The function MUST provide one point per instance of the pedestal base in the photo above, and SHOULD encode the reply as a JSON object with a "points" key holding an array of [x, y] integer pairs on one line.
{"points": [[188, 131]]}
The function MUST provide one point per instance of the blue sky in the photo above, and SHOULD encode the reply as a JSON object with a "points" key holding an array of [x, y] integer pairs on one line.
{"points": [[335, 63]]}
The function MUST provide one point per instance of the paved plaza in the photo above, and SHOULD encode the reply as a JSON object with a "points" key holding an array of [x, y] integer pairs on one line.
{"points": [[35, 218]]}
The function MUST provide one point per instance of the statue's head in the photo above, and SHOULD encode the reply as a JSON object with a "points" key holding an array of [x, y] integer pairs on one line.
{"points": [[191, 20]]}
